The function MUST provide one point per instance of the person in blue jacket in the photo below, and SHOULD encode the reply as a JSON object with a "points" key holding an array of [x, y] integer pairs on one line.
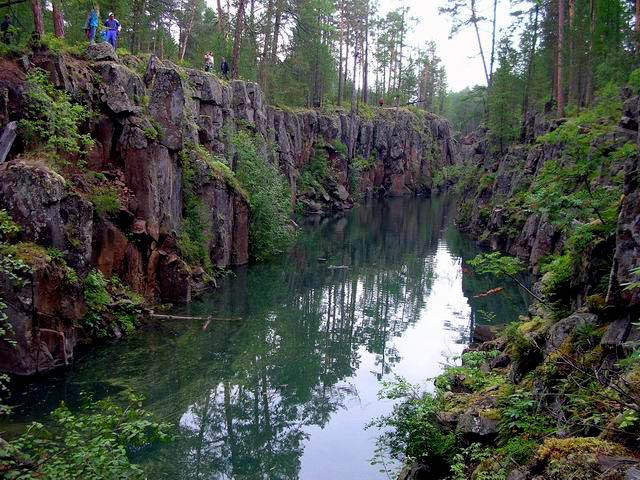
{"points": [[113, 28], [91, 26]]}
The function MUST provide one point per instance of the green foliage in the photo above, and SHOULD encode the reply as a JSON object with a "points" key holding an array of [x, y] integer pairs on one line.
{"points": [[412, 430], [103, 311], [634, 80], [520, 345], [270, 230], [193, 237], [8, 228], [519, 416], [60, 45], [52, 119], [314, 173], [105, 200], [340, 148], [92, 443], [633, 285], [497, 264]]}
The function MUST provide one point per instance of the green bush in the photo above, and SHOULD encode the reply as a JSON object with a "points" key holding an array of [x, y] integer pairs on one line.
{"points": [[8, 228], [634, 80], [270, 229], [53, 120], [92, 443], [412, 430], [105, 200]]}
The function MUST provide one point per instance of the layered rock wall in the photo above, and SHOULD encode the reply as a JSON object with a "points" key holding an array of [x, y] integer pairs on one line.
{"points": [[152, 118]]}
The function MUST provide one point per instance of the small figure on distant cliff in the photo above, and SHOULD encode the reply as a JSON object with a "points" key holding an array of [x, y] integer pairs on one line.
{"points": [[381, 102], [224, 68], [91, 26], [5, 29], [208, 61], [113, 28]]}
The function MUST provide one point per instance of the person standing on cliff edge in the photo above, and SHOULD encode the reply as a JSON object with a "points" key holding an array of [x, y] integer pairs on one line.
{"points": [[91, 25], [224, 68], [113, 28]]}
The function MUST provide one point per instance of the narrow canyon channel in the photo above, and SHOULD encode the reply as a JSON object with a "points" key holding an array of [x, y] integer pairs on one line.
{"points": [[284, 379]]}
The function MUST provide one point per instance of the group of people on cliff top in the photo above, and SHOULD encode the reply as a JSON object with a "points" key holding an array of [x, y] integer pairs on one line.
{"points": [[112, 28], [209, 62]]}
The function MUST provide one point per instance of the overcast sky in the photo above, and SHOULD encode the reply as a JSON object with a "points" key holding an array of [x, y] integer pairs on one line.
{"points": [[460, 54]]}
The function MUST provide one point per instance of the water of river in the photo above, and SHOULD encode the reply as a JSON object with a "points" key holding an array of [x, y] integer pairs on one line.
{"points": [[283, 384]]}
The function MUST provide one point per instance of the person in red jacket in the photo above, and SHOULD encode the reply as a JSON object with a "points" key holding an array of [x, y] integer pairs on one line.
{"points": [[381, 102]]}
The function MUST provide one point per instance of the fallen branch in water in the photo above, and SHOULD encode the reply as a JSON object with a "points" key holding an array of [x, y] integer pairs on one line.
{"points": [[159, 316], [493, 291]]}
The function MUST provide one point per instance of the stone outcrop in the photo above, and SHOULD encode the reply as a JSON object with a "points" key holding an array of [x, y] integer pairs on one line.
{"points": [[147, 127]]}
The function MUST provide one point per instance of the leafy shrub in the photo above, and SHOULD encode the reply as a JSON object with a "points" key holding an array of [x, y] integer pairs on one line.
{"points": [[52, 119], [412, 430], [634, 80], [92, 443], [270, 230], [105, 200], [8, 228]]}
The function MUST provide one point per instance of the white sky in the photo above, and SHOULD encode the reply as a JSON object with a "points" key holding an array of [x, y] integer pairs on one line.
{"points": [[460, 55]]}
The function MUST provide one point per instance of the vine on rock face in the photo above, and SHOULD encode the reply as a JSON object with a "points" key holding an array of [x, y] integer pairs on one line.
{"points": [[270, 230]]}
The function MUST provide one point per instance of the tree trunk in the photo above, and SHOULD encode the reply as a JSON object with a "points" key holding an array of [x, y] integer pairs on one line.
{"points": [[493, 41], [571, 64], [340, 74], [638, 23], [527, 87], [592, 37], [475, 20], [38, 24], [276, 30], [237, 39], [187, 32], [559, 67], [400, 55], [365, 68], [221, 25], [58, 19], [264, 57]]}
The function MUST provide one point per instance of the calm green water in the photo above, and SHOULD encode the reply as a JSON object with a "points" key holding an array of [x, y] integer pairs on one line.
{"points": [[283, 388]]}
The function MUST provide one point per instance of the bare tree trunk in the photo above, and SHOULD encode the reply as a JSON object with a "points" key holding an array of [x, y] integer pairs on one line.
{"points": [[571, 64], [475, 20], [527, 87], [58, 19], [264, 57], [493, 41], [38, 24], [638, 22], [276, 30], [592, 37], [559, 68], [237, 39], [340, 74], [400, 56], [365, 68], [185, 37], [221, 23]]}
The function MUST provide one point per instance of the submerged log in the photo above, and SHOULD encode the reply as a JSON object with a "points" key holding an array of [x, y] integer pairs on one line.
{"points": [[161, 316]]}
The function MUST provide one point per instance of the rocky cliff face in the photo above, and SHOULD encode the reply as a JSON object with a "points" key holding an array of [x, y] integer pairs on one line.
{"points": [[501, 219], [152, 118]]}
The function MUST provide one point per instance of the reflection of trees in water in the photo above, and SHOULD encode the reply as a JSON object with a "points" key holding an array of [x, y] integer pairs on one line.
{"points": [[304, 327], [243, 392]]}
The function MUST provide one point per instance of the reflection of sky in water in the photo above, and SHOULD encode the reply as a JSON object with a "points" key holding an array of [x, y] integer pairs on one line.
{"points": [[285, 391], [343, 448]]}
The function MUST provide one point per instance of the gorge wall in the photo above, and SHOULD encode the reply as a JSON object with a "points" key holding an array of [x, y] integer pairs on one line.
{"points": [[153, 120], [505, 211]]}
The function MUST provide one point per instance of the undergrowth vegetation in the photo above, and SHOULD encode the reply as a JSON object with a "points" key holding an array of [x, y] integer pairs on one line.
{"points": [[91, 443], [270, 228]]}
